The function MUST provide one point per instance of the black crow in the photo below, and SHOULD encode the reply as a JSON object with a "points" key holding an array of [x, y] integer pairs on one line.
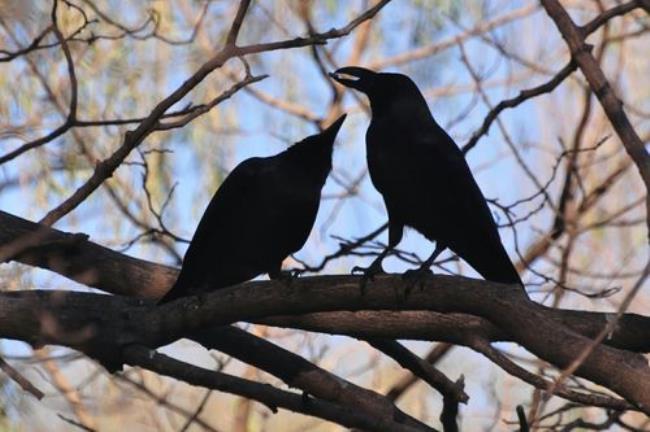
{"points": [[263, 211], [424, 178]]}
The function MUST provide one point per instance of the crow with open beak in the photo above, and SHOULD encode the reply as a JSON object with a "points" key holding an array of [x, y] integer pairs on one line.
{"points": [[424, 178]]}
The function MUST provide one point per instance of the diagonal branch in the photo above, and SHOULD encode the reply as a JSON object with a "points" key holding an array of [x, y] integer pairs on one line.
{"points": [[422, 369], [298, 372], [264, 393], [231, 39], [556, 80], [581, 54], [23, 382], [134, 138], [433, 357], [495, 356]]}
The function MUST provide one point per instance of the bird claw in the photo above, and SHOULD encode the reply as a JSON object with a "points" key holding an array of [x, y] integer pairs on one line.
{"points": [[358, 269], [415, 277], [285, 276], [368, 274]]}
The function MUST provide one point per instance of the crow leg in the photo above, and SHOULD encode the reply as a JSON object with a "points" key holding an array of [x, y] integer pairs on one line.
{"points": [[395, 231], [426, 265], [280, 275], [419, 275], [369, 273], [375, 268]]}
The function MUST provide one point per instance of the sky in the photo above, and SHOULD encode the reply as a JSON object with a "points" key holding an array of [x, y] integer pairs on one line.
{"points": [[266, 131]]}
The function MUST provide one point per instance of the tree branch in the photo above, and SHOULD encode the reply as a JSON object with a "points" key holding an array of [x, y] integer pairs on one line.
{"points": [[134, 138], [298, 372], [92, 323], [422, 369], [81, 260], [268, 395], [555, 81], [83, 321], [581, 54], [231, 39]]}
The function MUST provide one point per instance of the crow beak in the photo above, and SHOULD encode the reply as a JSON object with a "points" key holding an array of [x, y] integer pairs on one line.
{"points": [[353, 77], [333, 129]]}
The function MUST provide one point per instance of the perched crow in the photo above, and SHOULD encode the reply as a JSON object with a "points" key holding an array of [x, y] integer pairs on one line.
{"points": [[262, 212], [424, 179]]}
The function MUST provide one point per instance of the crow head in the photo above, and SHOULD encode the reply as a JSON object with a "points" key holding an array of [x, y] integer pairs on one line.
{"points": [[383, 89], [326, 137], [317, 149], [355, 77], [332, 130]]}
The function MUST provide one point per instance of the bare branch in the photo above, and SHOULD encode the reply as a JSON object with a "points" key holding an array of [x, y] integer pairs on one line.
{"points": [[231, 39], [23, 382], [132, 139], [613, 107], [271, 397]]}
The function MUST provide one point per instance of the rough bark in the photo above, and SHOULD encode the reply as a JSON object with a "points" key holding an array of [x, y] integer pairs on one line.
{"points": [[98, 324]]}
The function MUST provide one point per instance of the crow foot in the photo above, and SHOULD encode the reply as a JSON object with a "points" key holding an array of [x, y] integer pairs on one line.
{"points": [[285, 276], [415, 277], [368, 274]]}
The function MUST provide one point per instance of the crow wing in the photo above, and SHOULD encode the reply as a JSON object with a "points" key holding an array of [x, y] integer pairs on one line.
{"points": [[255, 219], [427, 184]]}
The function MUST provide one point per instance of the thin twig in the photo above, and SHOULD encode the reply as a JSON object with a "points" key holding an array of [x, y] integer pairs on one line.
{"points": [[23, 382]]}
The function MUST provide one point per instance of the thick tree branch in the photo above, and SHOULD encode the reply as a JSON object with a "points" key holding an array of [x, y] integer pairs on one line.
{"points": [[82, 321], [506, 306], [99, 267], [632, 331], [94, 265], [46, 316], [76, 258], [73, 256]]}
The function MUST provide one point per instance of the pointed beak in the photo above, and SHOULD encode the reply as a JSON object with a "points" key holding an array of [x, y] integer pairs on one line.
{"points": [[333, 129], [353, 76]]}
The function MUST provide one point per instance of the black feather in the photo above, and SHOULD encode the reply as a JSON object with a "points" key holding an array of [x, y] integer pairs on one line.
{"points": [[262, 212], [423, 176]]}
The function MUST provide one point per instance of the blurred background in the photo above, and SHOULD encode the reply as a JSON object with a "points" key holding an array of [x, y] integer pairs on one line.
{"points": [[564, 192]]}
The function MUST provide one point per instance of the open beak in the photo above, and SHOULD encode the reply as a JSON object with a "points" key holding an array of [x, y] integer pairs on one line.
{"points": [[352, 76]]}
